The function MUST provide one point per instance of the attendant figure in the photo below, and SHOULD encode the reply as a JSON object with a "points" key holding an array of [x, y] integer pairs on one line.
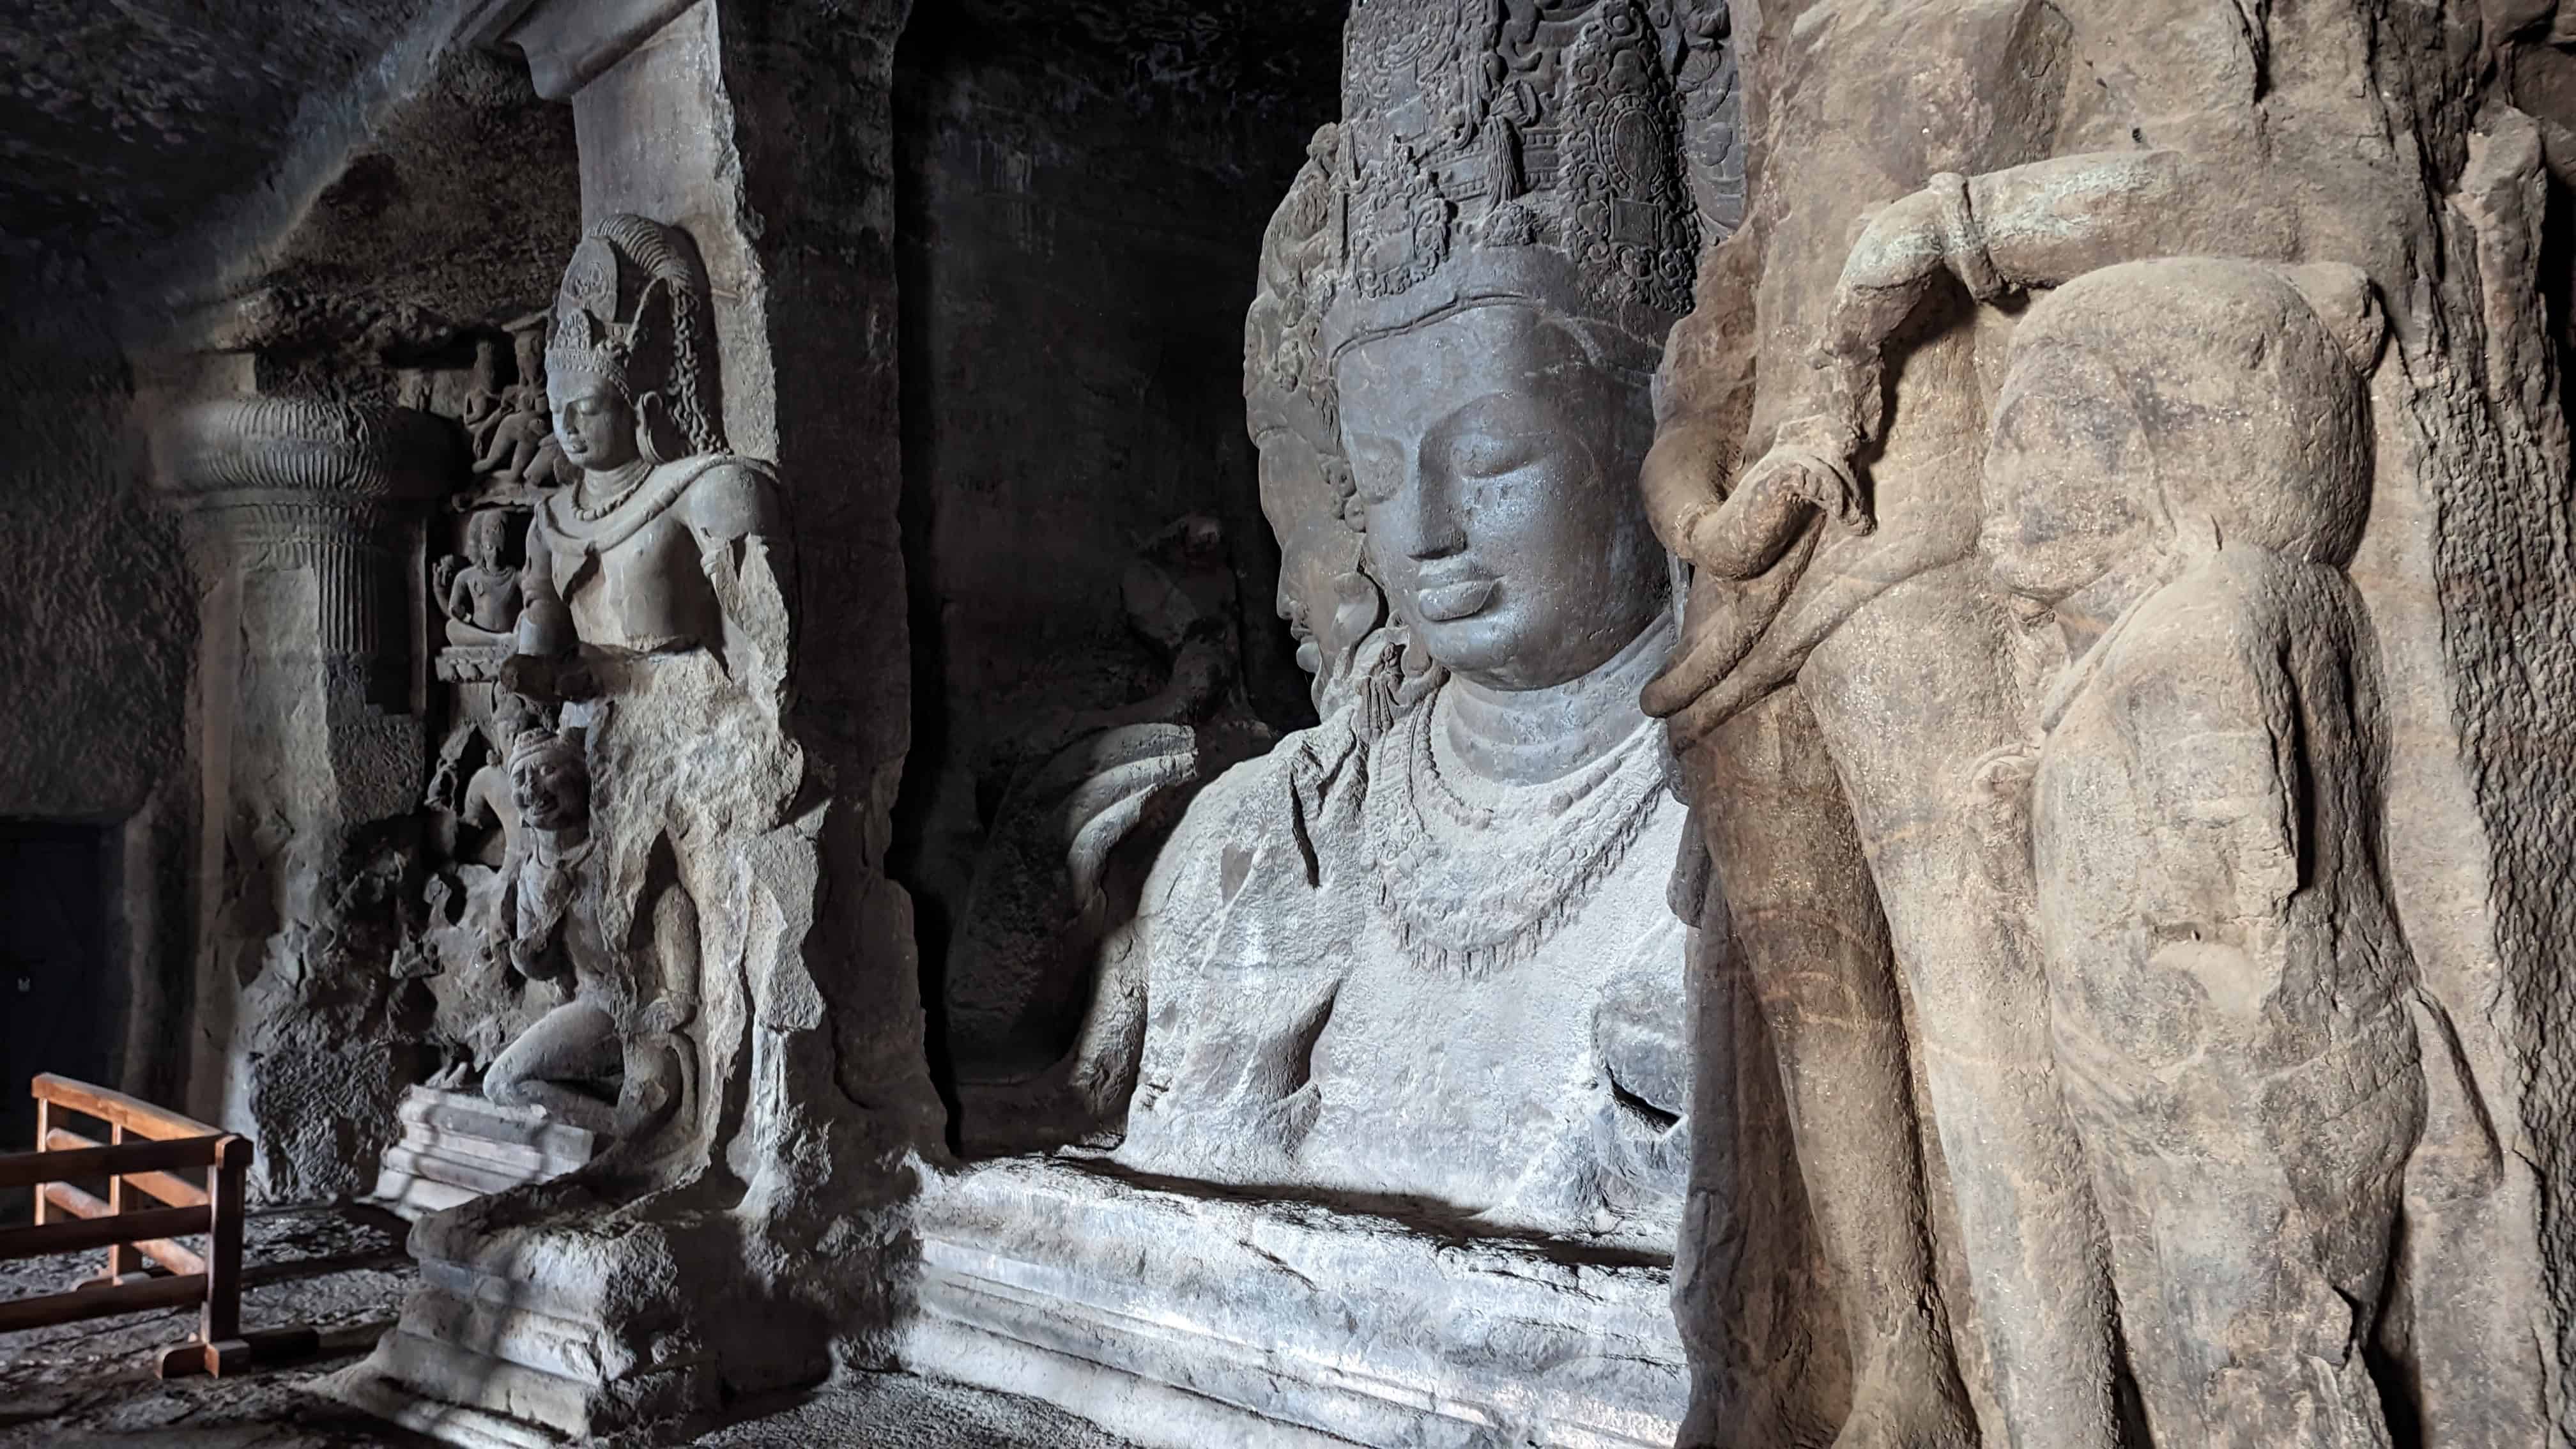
{"points": [[2180, 465]]}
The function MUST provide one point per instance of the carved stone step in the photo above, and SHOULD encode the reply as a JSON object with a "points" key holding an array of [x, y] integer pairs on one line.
{"points": [[456, 1147]]}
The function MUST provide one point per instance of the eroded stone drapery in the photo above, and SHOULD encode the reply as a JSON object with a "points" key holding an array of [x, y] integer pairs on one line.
{"points": [[300, 517], [1419, 960], [2268, 1018]]}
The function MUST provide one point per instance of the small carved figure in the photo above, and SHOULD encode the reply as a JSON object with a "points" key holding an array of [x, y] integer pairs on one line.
{"points": [[512, 432], [2180, 464], [550, 794], [575, 1045], [480, 594]]}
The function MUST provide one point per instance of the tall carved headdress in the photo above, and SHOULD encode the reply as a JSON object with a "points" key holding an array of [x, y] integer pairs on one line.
{"points": [[1571, 153], [1285, 381], [634, 309]]}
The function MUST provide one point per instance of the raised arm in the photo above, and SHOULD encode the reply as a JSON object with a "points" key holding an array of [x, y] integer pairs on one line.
{"points": [[2028, 226]]}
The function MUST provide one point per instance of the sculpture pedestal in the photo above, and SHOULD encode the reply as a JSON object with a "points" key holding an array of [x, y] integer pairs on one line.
{"points": [[458, 1146], [530, 1338], [1193, 1319]]}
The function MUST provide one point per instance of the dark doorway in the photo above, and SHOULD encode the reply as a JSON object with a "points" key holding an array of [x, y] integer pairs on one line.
{"points": [[63, 997]]}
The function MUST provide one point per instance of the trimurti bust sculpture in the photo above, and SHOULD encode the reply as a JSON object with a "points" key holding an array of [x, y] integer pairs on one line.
{"points": [[1425, 951], [1392, 1067]]}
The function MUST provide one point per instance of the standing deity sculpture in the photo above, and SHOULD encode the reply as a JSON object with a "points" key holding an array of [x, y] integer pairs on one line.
{"points": [[1831, 505], [649, 602], [658, 869]]}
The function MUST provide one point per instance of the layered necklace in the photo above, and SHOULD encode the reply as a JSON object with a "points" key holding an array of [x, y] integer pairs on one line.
{"points": [[1475, 875], [624, 488]]}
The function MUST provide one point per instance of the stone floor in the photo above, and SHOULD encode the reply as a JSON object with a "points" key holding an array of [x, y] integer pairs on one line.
{"points": [[90, 1385]]}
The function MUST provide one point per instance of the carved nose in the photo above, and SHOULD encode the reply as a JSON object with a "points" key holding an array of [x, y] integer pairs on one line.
{"points": [[1433, 527]]}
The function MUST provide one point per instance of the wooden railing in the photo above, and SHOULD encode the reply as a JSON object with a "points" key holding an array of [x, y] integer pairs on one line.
{"points": [[146, 1146]]}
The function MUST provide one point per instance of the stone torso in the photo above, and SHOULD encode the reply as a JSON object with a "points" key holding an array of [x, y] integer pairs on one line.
{"points": [[629, 567], [2201, 830], [1381, 976]]}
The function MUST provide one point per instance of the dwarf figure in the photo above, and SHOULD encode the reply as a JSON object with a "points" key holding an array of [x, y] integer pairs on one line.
{"points": [[2180, 464], [576, 1042]]}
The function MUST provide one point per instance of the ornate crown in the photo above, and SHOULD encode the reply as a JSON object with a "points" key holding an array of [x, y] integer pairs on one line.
{"points": [[633, 309], [1285, 378], [1570, 151]]}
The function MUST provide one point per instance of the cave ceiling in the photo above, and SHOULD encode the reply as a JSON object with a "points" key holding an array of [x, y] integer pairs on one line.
{"points": [[122, 121]]}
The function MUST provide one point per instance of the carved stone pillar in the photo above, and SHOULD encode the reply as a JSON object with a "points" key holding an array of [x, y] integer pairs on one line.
{"points": [[300, 517]]}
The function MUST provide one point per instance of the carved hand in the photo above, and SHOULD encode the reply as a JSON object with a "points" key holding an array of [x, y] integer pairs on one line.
{"points": [[1744, 535], [1795, 472]]}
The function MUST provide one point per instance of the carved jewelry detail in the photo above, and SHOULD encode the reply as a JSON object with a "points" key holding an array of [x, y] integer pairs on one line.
{"points": [[1475, 876]]}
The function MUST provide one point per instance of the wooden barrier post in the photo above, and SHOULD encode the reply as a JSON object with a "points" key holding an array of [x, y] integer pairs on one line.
{"points": [[123, 1261], [44, 1132]]}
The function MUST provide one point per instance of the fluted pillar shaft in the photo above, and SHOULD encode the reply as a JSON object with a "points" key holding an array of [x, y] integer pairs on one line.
{"points": [[298, 516]]}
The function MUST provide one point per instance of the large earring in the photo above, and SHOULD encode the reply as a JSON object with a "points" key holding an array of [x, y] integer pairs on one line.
{"points": [[647, 437]]}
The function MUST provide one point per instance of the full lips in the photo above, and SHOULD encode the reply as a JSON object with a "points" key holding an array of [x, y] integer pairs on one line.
{"points": [[1442, 603]]}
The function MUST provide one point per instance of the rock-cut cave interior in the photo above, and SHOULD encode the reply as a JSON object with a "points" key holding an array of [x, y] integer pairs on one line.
{"points": [[1211, 724]]}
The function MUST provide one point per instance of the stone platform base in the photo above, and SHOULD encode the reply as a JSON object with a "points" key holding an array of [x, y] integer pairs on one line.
{"points": [[1199, 1322], [457, 1146], [569, 1332]]}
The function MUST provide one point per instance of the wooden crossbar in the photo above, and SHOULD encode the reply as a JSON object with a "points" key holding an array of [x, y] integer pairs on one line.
{"points": [[147, 1144], [100, 1300], [173, 1256], [100, 1232], [131, 1113], [177, 1192], [26, 1169]]}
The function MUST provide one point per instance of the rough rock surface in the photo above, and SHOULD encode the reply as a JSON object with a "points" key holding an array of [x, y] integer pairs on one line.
{"points": [[1079, 192]]}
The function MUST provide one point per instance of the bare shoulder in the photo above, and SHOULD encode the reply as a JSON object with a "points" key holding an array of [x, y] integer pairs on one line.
{"points": [[735, 498]]}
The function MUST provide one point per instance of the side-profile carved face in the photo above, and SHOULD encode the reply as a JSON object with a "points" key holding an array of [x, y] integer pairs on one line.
{"points": [[1497, 463], [551, 786], [594, 423], [2067, 472], [1318, 552]]}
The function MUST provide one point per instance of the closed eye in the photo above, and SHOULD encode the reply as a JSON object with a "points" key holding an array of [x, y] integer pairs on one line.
{"points": [[1493, 456]]}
